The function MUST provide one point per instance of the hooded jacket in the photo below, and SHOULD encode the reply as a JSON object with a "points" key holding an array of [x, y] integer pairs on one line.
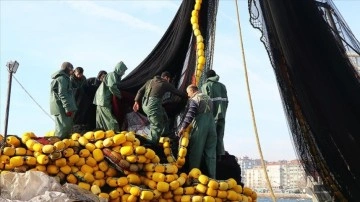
{"points": [[218, 94], [109, 86], [61, 95]]}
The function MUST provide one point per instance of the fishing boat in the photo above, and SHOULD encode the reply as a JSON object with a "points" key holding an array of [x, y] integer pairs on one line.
{"points": [[308, 44]]}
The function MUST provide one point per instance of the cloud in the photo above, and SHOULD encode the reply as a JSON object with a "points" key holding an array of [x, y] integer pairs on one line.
{"points": [[156, 7], [229, 18], [94, 9]]}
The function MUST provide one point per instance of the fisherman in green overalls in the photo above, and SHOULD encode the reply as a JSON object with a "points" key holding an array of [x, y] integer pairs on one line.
{"points": [[103, 96], [62, 101], [218, 94], [151, 94], [202, 142]]}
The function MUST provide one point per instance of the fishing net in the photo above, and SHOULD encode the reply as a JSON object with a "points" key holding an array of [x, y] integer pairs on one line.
{"points": [[312, 52], [175, 52]]}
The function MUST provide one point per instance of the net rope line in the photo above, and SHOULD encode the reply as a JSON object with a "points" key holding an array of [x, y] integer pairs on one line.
{"points": [[251, 105], [33, 99]]}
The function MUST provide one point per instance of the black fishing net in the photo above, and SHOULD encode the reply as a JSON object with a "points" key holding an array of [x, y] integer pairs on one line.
{"points": [[309, 45], [175, 52]]}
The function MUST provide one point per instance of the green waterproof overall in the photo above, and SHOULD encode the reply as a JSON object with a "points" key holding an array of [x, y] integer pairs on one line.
{"points": [[105, 119], [62, 101], [63, 125], [218, 94], [203, 141], [156, 114]]}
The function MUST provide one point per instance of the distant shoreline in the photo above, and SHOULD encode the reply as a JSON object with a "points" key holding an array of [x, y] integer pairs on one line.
{"points": [[283, 195]]}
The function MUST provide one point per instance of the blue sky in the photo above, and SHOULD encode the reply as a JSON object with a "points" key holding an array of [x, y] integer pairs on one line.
{"points": [[40, 35]]}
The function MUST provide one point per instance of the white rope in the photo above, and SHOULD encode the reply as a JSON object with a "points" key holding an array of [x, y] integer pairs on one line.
{"points": [[252, 108], [33, 99]]}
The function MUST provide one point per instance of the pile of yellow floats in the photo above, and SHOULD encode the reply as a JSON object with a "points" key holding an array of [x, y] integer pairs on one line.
{"points": [[116, 167]]}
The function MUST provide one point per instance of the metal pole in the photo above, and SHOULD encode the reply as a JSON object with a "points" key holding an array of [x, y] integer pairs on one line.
{"points": [[8, 104]]}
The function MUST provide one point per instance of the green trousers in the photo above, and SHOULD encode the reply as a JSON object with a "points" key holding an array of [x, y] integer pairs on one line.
{"points": [[157, 117], [203, 143], [105, 119], [220, 128], [63, 125]]}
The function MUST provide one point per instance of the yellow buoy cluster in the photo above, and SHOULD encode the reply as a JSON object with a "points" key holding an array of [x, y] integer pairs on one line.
{"points": [[117, 167], [184, 142], [200, 47]]}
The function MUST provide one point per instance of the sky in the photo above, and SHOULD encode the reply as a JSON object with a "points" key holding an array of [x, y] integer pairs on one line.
{"points": [[96, 35]]}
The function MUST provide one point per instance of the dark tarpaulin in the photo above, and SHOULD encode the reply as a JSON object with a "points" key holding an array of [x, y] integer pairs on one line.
{"points": [[319, 86]]}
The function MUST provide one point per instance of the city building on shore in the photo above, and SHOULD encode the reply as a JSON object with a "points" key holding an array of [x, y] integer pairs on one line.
{"points": [[285, 176]]}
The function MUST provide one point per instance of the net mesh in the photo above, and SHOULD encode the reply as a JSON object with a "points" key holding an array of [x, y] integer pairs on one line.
{"points": [[175, 52], [310, 48]]}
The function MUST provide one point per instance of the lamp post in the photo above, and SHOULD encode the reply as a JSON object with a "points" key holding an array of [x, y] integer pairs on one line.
{"points": [[12, 67]]}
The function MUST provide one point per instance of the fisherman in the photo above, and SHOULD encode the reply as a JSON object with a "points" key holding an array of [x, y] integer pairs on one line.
{"points": [[202, 143], [151, 95], [218, 94], [92, 84], [90, 87], [78, 80], [105, 119], [62, 102], [96, 81]]}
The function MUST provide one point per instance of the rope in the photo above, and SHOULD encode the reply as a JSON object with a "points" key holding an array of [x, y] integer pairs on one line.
{"points": [[251, 106], [33, 98]]}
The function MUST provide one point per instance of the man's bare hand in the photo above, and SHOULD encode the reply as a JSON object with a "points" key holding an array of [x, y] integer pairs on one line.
{"points": [[181, 132], [136, 107]]}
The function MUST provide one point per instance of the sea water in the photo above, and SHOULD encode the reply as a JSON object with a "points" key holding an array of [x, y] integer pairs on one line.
{"points": [[283, 200]]}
